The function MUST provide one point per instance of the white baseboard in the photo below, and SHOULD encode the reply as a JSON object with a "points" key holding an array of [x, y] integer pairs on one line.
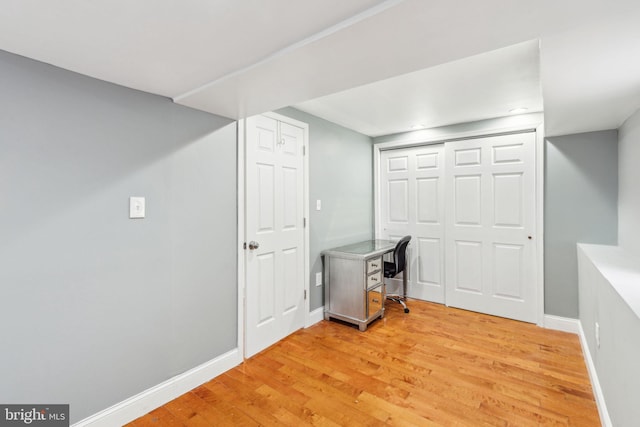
{"points": [[564, 324], [143, 403], [315, 316], [605, 420], [575, 327]]}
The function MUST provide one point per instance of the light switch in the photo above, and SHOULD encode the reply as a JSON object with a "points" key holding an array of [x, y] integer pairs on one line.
{"points": [[318, 205], [136, 207], [319, 278]]}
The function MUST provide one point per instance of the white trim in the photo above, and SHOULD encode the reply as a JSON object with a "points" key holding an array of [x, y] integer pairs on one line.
{"points": [[564, 324], [307, 239], [241, 232], [490, 127], [377, 232], [574, 326], [315, 316], [156, 396], [502, 125], [539, 232], [605, 420]]}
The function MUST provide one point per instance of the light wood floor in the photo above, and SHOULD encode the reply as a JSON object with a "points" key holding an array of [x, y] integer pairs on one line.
{"points": [[433, 366]]}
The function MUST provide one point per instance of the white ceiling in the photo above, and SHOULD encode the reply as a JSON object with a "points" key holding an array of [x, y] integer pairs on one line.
{"points": [[241, 57], [478, 87]]}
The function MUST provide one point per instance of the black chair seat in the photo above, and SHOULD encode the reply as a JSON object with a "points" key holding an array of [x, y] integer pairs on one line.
{"points": [[392, 269], [389, 269]]}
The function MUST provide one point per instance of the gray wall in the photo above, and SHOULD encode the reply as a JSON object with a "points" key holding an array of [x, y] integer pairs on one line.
{"points": [[603, 273], [581, 195], [341, 175], [96, 307], [629, 176]]}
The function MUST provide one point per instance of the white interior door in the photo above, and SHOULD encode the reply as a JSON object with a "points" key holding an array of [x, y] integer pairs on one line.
{"points": [[490, 186], [412, 203], [274, 194]]}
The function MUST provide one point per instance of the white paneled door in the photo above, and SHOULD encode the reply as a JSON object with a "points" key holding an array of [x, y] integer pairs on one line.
{"points": [[470, 207], [274, 232], [412, 203], [490, 209]]}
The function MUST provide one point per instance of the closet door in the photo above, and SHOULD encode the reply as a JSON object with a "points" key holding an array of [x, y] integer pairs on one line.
{"points": [[490, 254], [412, 203]]}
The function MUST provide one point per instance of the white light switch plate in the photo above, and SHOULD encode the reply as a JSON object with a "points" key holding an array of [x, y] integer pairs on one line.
{"points": [[319, 278], [136, 207]]}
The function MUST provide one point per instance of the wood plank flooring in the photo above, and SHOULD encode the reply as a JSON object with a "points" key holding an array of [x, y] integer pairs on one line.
{"points": [[436, 366]]}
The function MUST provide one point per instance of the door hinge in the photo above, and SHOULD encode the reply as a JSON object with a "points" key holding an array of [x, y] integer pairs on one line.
{"points": [[305, 294], [304, 222], [304, 150]]}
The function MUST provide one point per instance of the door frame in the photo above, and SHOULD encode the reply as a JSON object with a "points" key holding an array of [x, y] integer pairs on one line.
{"points": [[492, 127], [241, 224]]}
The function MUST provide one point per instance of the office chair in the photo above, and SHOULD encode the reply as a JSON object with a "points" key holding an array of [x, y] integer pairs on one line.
{"points": [[392, 269]]}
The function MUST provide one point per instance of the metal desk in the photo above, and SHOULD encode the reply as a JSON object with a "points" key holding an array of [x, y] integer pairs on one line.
{"points": [[354, 281]]}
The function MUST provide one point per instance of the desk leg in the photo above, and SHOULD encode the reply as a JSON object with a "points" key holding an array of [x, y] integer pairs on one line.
{"points": [[404, 288], [404, 283]]}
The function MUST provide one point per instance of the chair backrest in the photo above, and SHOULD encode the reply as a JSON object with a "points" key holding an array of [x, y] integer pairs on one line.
{"points": [[400, 253]]}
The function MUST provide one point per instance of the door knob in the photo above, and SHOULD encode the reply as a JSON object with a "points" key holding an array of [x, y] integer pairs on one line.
{"points": [[254, 245]]}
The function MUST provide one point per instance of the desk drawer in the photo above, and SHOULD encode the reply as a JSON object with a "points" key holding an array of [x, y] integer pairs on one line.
{"points": [[374, 280], [374, 265], [374, 301]]}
